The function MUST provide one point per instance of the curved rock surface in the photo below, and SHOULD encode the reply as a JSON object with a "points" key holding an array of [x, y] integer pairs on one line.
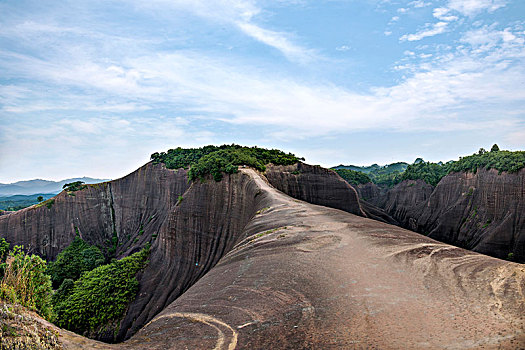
{"points": [[290, 274], [317, 185], [482, 212], [133, 208]]}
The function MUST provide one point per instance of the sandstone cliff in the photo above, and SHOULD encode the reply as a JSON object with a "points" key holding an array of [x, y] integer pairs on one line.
{"points": [[317, 185], [296, 275], [132, 208], [482, 211]]}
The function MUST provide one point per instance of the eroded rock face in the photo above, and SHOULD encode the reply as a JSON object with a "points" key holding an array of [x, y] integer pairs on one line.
{"points": [[481, 212], [405, 201], [237, 264], [190, 227], [370, 192], [314, 184], [133, 207], [197, 232]]}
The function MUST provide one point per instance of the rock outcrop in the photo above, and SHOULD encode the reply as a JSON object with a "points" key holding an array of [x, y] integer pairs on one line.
{"points": [[132, 208], [321, 186], [296, 275], [316, 185], [482, 212]]}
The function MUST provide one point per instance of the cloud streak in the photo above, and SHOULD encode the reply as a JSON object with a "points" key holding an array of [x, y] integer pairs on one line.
{"points": [[429, 30]]}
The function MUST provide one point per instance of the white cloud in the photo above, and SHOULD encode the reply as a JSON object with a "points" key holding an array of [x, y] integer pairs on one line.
{"points": [[430, 30], [431, 98], [486, 39], [419, 3], [472, 7], [343, 48], [279, 41], [239, 13], [442, 14]]}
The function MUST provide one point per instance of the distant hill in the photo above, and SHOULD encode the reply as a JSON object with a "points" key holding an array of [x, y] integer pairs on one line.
{"points": [[387, 175], [38, 186], [20, 201], [361, 169]]}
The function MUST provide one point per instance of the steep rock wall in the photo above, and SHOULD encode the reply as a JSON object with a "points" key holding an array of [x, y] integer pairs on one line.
{"points": [[405, 201], [198, 231], [482, 212], [370, 192], [316, 185], [132, 208]]}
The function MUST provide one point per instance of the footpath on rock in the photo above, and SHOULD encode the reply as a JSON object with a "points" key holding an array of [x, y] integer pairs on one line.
{"points": [[303, 276]]}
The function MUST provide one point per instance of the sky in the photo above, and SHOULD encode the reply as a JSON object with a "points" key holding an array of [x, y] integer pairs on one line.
{"points": [[92, 88]]}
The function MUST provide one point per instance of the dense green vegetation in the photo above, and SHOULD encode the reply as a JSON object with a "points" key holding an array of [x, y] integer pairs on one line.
{"points": [[94, 303], [500, 160], [24, 280], [387, 175], [216, 160], [100, 297], [353, 177], [429, 172], [432, 173], [78, 257]]}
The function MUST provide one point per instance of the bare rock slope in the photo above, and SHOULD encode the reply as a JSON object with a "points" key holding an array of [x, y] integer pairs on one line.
{"points": [[482, 212], [239, 264]]}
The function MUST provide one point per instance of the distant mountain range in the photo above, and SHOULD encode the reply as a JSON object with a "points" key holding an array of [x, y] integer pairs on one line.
{"points": [[39, 186]]}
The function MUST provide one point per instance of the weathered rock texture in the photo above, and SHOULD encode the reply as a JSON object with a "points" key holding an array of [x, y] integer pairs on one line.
{"points": [[318, 185], [483, 212], [370, 192], [238, 264], [302, 276], [133, 208]]}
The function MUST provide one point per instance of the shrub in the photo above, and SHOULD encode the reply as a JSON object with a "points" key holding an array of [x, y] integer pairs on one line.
{"points": [[216, 160], [4, 251], [100, 297], [353, 177], [78, 257], [25, 282], [74, 186], [63, 291]]}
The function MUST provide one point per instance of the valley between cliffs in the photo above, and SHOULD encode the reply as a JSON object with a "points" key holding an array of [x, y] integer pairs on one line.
{"points": [[480, 211], [242, 264]]}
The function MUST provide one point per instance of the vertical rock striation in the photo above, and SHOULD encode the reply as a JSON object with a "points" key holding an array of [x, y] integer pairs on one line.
{"points": [[316, 185], [480, 211]]}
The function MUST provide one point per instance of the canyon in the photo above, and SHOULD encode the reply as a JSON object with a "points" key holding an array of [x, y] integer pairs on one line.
{"points": [[292, 258], [480, 211]]}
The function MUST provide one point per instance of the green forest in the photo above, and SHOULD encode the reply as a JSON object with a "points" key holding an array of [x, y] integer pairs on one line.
{"points": [[432, 173], [216, 160], [79, 291]]}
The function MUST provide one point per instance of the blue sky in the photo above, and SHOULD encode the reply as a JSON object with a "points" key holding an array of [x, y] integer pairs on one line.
{"points": [[92, 88]]}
